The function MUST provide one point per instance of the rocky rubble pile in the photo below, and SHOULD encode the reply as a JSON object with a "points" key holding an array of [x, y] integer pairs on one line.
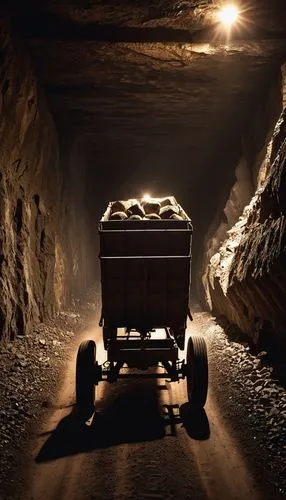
{"points": [[30, 369], [254, 392], [151, 208]]}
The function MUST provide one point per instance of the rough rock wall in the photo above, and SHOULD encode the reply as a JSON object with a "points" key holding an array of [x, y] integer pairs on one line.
{"points": [[28, 177], [249, 172], [74, 247], [35, 254], [246, 279]]}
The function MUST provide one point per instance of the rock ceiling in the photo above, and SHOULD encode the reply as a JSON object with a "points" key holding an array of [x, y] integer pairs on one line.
{"points": [[159, 80]]}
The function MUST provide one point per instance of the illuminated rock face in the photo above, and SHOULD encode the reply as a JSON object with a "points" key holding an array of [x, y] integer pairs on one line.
{"points": [[246, 279], [28, 173], [38, 249]]}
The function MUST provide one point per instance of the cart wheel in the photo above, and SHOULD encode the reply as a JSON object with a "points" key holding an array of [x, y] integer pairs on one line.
{"points": [[197, 371], [108, 335], [85, 389]]}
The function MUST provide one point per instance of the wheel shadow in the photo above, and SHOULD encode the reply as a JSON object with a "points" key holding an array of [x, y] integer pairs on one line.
{"points": [[195, 421], [130, 414]]}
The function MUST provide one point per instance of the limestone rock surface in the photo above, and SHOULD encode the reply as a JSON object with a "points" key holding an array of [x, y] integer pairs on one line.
{"points": [[246, 278], [38, 261]]}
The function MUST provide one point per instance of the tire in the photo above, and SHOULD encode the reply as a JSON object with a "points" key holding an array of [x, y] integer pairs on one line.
{"points": [[85, 389], [108, 334], [197, 371]]}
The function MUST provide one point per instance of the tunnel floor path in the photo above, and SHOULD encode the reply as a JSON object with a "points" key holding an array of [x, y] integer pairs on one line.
{"points": [[142, 443]]}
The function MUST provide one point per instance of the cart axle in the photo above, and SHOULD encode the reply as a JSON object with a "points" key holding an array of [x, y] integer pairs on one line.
{"points": [[172, 370], [143, 375]]}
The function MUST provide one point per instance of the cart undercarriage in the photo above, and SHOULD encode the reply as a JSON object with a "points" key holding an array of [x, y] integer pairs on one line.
{"points": [[149, 358]]}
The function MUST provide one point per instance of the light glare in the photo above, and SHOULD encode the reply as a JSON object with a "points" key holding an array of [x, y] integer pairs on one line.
{"points": [[228, 15], [146, 197]]}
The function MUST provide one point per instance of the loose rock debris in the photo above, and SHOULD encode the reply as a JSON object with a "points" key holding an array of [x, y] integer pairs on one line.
{"points": [[30, 370], [254, 393], [31, 367]]}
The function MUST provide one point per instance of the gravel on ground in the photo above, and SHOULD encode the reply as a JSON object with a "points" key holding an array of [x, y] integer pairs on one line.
{"points": [[243, 382], [250, 395], [31, 367]]}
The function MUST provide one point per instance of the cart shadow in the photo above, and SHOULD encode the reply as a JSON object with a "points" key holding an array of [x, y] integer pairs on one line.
{"points": [[130, 416], [195, 421]]}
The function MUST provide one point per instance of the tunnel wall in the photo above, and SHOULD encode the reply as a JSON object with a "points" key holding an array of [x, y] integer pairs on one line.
{"points": [[245, 280], [39, 259], [75, 252], [249, 173]]}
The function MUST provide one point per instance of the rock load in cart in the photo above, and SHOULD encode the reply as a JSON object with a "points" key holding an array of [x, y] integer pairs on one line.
{"points": [[145, 259]]}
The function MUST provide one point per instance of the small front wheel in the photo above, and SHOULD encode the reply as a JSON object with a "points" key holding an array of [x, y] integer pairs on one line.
{"points": [[197, 371], [85, 389]]}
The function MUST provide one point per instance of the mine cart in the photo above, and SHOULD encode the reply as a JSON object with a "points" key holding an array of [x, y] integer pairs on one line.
{"points": [[145, 280]]}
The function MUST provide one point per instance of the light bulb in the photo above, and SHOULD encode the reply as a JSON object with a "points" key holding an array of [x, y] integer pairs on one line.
{"points": [[228, 15]]}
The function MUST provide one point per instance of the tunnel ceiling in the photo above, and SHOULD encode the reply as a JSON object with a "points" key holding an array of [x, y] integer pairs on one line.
{"points": [[151, 79]]}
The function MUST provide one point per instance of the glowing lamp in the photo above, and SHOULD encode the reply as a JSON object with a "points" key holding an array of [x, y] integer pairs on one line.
{"points": [[228, 15], [146, 197]]}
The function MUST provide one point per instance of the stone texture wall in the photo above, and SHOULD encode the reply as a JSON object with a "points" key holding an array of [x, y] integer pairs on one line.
{"points": [[38, 260], [76, 255], [246, 278], [249, 172]]}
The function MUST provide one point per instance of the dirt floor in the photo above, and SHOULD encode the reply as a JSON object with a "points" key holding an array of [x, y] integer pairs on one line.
{"points": [[144, 441]]}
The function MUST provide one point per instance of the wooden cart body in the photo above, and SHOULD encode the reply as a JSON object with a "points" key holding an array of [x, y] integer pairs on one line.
{"points": [[145, 273]]}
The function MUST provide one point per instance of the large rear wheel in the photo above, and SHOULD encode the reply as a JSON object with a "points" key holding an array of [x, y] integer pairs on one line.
{"points": [[85, 389], [197, 371]]}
